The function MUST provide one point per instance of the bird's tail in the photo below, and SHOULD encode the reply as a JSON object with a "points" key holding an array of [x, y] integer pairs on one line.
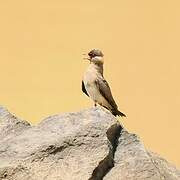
{"points": [[118, 113]]}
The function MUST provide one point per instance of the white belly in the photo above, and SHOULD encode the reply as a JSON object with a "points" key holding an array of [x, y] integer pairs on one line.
{"points": [[94, 94], [92, 89]]}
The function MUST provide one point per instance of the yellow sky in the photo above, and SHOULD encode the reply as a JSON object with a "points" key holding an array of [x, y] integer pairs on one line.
{"points": [[41, 66]]}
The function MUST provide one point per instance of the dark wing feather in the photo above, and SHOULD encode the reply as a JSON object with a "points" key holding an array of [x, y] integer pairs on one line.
{"points": [[105, 90], [84, 89]]}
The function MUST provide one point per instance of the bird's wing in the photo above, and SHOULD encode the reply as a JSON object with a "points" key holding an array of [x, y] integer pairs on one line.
{"points": [[105, 91], [84, 89]]}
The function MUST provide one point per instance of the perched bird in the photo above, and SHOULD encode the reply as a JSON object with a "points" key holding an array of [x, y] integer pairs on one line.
{"points": [[95, 86]]}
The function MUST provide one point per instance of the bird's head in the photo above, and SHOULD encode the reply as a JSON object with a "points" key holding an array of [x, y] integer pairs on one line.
{"points": [[95, 56]]}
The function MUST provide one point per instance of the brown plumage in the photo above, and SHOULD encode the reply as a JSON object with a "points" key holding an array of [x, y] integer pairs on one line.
{"points": [[96, 87]]}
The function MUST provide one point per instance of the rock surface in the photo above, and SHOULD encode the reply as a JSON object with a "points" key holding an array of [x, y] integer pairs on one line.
{"points": [[87, 145]]}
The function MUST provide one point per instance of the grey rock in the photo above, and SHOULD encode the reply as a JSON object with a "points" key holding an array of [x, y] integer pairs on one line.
{"points": [[10, 125], [87, 145]]}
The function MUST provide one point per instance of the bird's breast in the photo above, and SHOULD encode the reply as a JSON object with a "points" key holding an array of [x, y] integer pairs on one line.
{"points": [[90, 75]]}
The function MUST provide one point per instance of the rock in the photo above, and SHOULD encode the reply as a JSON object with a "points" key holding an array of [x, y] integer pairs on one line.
{"points": [[10, 125], [87, 145]]}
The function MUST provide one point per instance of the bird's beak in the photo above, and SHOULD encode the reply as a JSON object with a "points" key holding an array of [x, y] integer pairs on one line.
{"points": [[86, 58]]}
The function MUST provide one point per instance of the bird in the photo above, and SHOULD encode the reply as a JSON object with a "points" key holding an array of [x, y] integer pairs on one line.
{"points": [[95, 86]]}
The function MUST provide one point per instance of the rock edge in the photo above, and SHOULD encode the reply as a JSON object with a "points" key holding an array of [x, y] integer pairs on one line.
{"points": [[87, 145]]}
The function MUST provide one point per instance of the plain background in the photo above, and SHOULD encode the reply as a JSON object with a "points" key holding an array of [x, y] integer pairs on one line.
{"points": [[41, 65]]}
